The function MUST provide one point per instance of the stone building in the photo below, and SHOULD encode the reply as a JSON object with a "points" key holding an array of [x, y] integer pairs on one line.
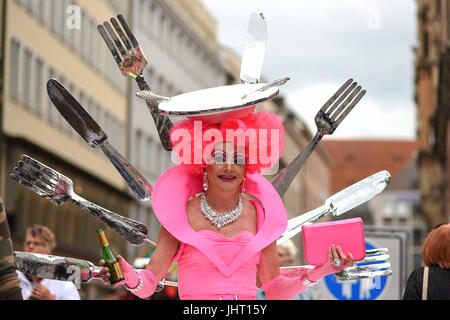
{"points": [[432, 87], [59, 39]]}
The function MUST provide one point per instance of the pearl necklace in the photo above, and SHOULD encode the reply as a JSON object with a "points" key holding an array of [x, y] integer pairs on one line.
{"points": [[220, 219]]}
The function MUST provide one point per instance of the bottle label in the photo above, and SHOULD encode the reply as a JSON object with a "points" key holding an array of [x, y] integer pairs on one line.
{"points": [[116, 274]]}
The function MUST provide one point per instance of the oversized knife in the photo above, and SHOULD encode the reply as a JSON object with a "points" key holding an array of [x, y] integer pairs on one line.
{"points": [[64, 269], [254, 50], [90, 131], [339, 203]]}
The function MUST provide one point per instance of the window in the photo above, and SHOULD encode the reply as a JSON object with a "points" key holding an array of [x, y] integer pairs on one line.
{"points": [[27, 78], [53, 14], [91, 28], [41, 9], [38, 88], [148, 155], [14, 69], [140, 13], [95, 45], [153, 159], [448, 19], [162, 26], [137, 148], [62, 19], [83, 33]]}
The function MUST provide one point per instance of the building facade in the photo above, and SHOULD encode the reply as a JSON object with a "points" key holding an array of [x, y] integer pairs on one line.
{"points": [[432, 86], [58, 39]]}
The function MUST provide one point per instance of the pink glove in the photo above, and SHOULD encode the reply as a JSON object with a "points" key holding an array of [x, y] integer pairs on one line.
{"points": [[321, 271], [295, 280], [142, 284], [284, 287]]}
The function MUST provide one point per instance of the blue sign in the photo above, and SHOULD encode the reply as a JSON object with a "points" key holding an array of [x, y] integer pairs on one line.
{"points": [[361, 289]]}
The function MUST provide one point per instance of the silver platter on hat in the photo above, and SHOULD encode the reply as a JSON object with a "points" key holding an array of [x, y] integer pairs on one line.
{"points": [[219, 103]]}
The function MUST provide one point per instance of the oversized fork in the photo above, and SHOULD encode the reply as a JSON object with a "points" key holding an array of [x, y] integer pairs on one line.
{"points": [[131, 62], [365, 268], [58, 189], [327, 120]]}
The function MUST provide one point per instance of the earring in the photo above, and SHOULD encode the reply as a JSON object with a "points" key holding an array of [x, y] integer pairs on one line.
{"points": [[205, 182], [243, 186]]}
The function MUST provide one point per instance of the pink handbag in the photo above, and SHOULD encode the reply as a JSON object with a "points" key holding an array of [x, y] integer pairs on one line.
{"points": [[318, 238]]}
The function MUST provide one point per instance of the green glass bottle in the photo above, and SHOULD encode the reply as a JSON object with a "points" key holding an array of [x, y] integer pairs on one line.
{"points": [[110, 259]]}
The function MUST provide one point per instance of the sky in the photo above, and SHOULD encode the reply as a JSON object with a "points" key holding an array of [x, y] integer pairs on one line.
{"points": [[320, 44]]}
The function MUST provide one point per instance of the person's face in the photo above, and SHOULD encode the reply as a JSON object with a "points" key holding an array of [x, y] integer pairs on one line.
{"points": [[228, 168], [35, 244], [284, 257]]}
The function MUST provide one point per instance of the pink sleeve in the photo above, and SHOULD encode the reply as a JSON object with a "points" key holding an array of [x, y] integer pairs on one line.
{"points": [[294, 280]]}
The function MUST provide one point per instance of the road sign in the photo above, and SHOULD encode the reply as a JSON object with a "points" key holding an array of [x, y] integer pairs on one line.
{"points": [[377, 288], [362, 289]]}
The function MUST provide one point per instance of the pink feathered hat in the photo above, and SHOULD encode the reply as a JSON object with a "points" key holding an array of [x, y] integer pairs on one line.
{"points": [[261, 133]]}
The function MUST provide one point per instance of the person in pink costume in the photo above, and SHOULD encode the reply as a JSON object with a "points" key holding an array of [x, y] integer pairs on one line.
{"points": [[228, 258]]}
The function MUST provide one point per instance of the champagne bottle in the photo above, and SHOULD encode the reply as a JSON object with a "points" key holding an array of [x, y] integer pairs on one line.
{"points": [[110, 259]]}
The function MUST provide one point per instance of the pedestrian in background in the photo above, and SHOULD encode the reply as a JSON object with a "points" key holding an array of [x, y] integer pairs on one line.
{"points": [[432, 282], [40, 239], [9, 281]]}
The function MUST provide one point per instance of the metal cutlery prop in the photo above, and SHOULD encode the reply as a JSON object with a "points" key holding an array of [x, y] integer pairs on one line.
{"points": [[374, 264], [62, 268], [339, 203], [254, 49], [57, 188], [90, 131], [131, 62], [327, 120], [82, 271]]}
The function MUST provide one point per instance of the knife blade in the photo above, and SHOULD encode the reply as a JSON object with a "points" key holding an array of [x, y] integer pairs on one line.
{"points": [[92, 133], [254, 49]]}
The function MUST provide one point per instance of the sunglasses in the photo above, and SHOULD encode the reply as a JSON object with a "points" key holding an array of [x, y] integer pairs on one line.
{"points": [[35, 243], [221, 157]]}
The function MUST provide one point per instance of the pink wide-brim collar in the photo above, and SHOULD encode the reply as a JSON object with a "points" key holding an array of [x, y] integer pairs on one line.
{"points": [[174, 188]]}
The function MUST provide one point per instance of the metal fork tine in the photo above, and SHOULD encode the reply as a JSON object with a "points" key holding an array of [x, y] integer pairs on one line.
{"points": [[350, 107], [52, 174], [38, 174], [121, 33], [366, 267], [336, 94], [128, 31], [109, 43], [34, 176], [27, 184], [345, 103], [339, 100], [116, 40], [34, 182]]}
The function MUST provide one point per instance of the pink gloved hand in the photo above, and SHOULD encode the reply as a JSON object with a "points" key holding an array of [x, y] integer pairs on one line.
{"points": [[287, 285], [142, 284], [293, 281], [334, 254]]}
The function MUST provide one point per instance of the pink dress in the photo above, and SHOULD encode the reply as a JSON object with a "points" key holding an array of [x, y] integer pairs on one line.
{"points": [[210, 265], [199, 278]]}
